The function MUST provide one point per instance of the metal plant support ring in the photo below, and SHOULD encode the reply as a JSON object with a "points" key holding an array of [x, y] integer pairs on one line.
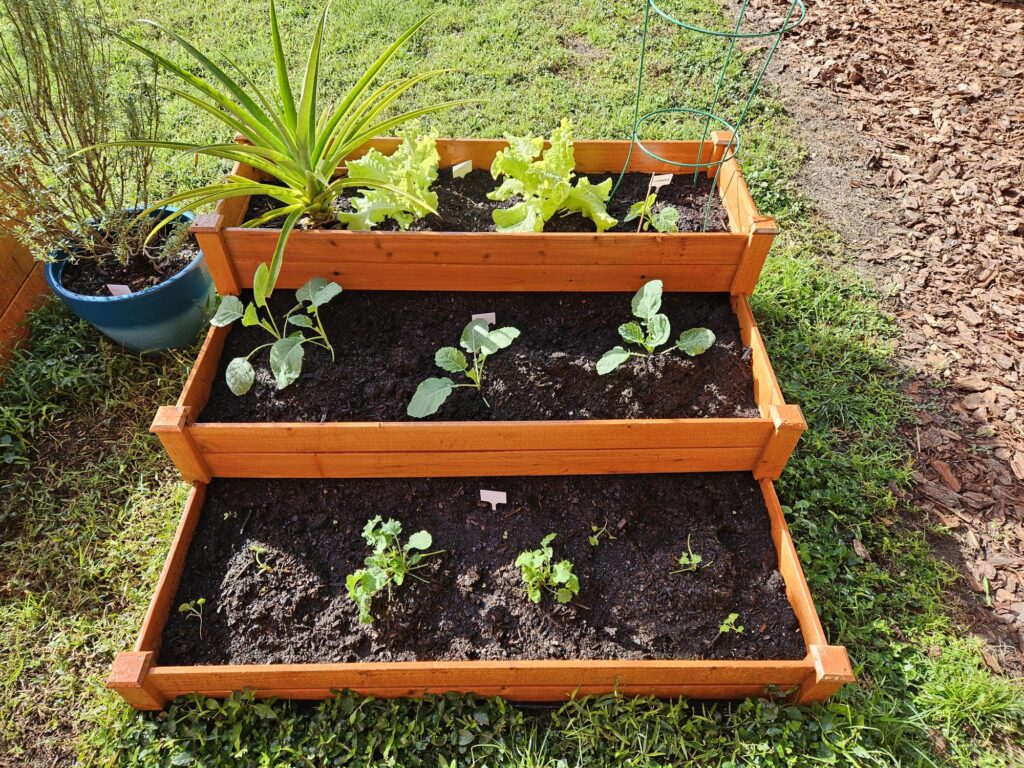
{"points": [[796, 8]]}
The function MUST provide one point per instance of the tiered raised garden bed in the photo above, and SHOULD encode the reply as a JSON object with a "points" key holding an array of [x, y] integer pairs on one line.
{"points": [[786, 651]]}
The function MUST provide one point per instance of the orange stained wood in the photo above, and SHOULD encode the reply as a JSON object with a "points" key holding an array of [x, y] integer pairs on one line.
{"points": [[146, 685], [22, 288]]}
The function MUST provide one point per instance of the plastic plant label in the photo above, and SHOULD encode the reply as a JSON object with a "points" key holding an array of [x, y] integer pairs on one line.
{"points": [[116, 289], [462, 169], [494, 498], [488, 316], [661, 180]]}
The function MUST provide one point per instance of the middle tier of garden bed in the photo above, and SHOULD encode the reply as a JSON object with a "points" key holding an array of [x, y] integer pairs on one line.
{"points": [[551, 413]]}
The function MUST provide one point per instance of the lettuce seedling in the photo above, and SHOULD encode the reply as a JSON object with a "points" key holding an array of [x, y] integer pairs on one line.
{"points": [[389, 564], [286, 352], [665, 219], [408, 174], [539, 573], [652, 330], [481, 343], [542, 179]]}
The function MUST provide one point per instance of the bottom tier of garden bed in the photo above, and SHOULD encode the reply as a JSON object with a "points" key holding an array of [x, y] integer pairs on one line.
{"points": [[269, 560]]}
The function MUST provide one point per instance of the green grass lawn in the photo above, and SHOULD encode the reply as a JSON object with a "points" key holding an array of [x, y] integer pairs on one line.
{"points": [[88, 501]]}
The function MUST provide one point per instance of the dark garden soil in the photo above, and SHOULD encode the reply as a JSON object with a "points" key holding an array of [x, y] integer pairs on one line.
{"points": [[463, 205], [470, 603], [90, 277], [386, 341]]}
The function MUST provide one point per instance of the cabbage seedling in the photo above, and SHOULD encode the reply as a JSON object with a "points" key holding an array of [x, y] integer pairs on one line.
{"points": [[389, 564], [665, 219], [652, 330], [481, 343], [539, 573]]}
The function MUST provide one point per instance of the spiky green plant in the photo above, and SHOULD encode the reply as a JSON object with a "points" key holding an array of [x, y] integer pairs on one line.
{"points": [[293, 141]]}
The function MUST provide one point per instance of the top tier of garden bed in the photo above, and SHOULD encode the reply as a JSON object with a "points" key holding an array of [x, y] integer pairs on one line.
{"points": [[722, 261]]}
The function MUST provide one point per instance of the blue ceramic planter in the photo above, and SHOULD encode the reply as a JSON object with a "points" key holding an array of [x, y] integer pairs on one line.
{"points": [[164, 316]]}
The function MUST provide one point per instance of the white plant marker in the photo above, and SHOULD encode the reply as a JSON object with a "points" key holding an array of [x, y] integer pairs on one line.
{"points": [[462, 169], [116, 289], [661, 180], [494, 498], [488, 316]]}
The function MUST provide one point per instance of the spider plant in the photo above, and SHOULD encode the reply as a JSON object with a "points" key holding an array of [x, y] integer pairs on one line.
{"points": [[291, 140]]}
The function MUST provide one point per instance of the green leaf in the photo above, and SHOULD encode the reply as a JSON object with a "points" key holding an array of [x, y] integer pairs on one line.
{"points": [[526, 216], [286, 359], [647, 301], [632, 333], [300, 320], [430, 395], [666, 220], [317, 291], [548, 539], [561, 572], [239, 376], [261, 286], [450, 359], [611, 360], [499, 338], [474, 335], [230, 309], [695, 341], [251, 316], [563, 595], [590, 200], [420, 540], [658, 331]]}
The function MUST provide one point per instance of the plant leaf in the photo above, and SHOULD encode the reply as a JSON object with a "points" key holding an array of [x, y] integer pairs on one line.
{"points": [[590, 200], [240, 376], [611, 360], [632, 333], [317, 291], [695, 341], [474, 335], [563, 595], [666, 220], [450, 359], [499, 338], [230, 309], [647, 301], [658, 331], [251, 316], [430, 395], [302, 321], [286, 359], [420, 540], [261, 286]]}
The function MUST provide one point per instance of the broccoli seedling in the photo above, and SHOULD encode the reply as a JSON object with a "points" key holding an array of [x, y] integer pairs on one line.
{"points": [[689, 561], [481, 343], [729, 625], [665, 219], [389, 564], [193, 609], [539, 573], [652, 330]]}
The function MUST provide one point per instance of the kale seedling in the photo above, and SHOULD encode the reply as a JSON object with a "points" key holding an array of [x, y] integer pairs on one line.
{"points": [[689, 561], [652, 330], [729, 625], [665, 219], [481, 343], [286, 352], [596, 533], [542, 182], [389, 564], [194, 610], [539, 573]]}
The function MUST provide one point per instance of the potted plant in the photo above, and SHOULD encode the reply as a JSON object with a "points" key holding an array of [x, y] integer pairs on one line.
{"points": [[61, 91]]}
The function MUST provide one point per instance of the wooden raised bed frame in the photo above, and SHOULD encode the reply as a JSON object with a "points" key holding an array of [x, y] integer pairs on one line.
{"points": [[202, 450], [728, 262], [138, 677]]}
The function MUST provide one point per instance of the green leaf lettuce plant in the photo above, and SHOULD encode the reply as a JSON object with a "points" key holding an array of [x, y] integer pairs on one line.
{"points": [[651, 330], [541, 180], [481, 343], [298, 141], [301, 325]]}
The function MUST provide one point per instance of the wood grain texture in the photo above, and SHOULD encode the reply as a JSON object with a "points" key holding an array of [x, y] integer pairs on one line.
{"points": [[30, 294], [171, 425], [819, 674]]}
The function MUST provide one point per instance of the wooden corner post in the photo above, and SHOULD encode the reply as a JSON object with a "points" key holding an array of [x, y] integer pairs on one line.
{"points": [[207, 229], [789, 425], [129, 678], [760, 234], [832, 671], [170, 425]]}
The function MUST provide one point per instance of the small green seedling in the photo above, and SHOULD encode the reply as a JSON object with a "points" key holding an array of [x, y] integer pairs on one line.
{"points": [[258, 551], [286, 352], [481, 343], [729, 625], [596, 533], [539, 573], [665, 219], [389, 564], [689, 561], [652, 331], [194, 610]]}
